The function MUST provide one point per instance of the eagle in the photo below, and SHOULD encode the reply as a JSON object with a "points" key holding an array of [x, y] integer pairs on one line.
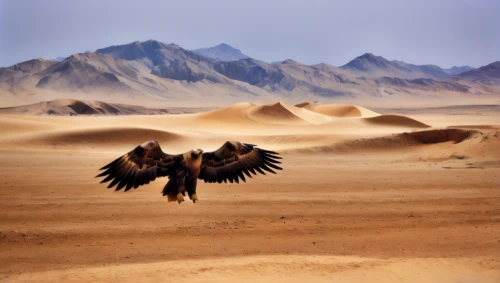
{"points": [[231, 162]]}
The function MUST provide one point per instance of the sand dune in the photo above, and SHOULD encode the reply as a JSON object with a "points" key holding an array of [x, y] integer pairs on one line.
{"points": [[275, 113], [281, 113], [231, 114], [439, 136], [304, 114], [338, 110], [395, 120]]}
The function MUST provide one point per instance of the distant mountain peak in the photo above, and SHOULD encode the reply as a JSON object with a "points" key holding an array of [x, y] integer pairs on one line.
{"points": [[373, 66], [367, 63], [367, 55], [151, 41], [153, 44], [370, 56], [456, 70], [225, 45], [221, 52]]}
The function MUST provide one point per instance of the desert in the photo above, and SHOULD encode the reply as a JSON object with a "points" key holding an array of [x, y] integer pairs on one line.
{"points": [[363, 194]]}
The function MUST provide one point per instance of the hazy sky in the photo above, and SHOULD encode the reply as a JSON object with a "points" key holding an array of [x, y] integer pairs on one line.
{"points": [[442, 32]]}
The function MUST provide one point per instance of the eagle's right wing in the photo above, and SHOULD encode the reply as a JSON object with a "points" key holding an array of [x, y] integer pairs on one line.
{"points": [[140, 166], [233, 159]]}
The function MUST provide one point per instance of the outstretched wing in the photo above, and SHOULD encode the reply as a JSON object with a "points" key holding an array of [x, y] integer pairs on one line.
{"points": [[140, 166], [235, 159]]}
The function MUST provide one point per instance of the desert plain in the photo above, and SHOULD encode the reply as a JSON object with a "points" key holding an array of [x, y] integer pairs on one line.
{"points": [[365, 195]]}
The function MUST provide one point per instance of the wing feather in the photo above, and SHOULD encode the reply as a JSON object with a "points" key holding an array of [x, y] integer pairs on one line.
{"points": [[242, 177], [109, 178], [131, 180], [272, 165], [260, 171]]}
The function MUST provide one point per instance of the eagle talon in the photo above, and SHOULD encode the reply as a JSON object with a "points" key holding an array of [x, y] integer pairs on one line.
{"points": [[180, 197], [194, 198]]}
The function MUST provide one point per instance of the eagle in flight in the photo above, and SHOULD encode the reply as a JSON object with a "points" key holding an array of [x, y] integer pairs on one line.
{"points": [[232, 161]]}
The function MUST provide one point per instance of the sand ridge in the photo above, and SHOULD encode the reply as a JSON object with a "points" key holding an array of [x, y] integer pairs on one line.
{"points": [[396, 121], [338, 110]]}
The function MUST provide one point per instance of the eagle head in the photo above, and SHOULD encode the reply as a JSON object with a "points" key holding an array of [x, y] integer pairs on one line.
{"points": [[195, 153]]}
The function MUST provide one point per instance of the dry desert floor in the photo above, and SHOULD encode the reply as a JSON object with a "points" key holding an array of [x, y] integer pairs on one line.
{"points": [[358, 200]]}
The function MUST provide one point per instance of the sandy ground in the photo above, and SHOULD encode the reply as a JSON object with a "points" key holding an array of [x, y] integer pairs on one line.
{"points": [[356, 201]]}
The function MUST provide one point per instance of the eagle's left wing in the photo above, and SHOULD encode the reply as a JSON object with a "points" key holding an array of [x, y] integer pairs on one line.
{"points": [[140, 166], [233, 159]]}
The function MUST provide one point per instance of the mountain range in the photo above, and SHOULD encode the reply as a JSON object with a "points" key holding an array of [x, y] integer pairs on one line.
{"points": [[152, 72]]}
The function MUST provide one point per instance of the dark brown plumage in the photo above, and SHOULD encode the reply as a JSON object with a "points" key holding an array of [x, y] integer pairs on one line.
{"points": [[231, 162]]}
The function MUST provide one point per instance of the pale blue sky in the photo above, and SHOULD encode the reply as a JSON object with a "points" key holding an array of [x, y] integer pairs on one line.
{"points": [[442, 32]]}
